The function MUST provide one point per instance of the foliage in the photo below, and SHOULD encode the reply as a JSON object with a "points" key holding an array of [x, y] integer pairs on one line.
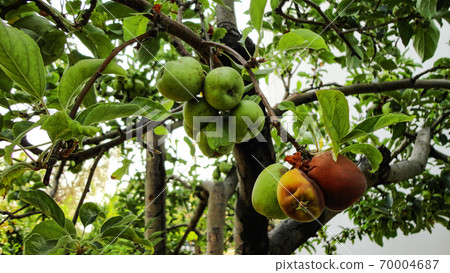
{"points": [[79, 82]]}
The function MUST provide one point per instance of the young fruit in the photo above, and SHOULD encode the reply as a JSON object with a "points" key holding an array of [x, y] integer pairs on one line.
{"points": [[224, 88], [249, 120], [299, 196], [264, 194], [189, 131], [180, 80], [213, 142], [198, 108], [342, 182], [225, 167]]}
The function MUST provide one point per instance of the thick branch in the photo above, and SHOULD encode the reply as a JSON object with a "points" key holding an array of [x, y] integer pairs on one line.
{"points": [[298, 99], [287, 236]]}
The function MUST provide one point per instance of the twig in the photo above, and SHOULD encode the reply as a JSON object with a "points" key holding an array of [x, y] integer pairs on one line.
{"points": [[280, 12], [44, 7], [54, 189], [415, 78], [87, 14], [363, 29], [438, 155], [274, 119], [88, 185], [333, 26], [179, 46], [105, 63], [194, 220], [440, 119]]}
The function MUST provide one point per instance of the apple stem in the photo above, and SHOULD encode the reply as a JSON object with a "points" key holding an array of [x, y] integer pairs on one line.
{"points": [[273, 117]]}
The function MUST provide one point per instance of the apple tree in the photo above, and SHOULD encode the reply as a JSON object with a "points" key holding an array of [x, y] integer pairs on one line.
{"points": [[84, 74]]}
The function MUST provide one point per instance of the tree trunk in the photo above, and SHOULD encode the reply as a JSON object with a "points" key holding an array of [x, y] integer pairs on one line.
{"points": [[219, 193], [155, 208], [250, 234]]}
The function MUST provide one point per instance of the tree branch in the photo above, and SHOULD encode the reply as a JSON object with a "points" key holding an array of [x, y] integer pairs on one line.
{"points": [[88, 185], [203, 195], [105, 63], [87, 14], [287, 236], [307, 97], [333, 26], [279, 10], [44, 7]]}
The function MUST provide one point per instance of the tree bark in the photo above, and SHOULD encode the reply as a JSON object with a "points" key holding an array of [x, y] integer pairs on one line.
{"points": [[155, 186], [219, 193]]}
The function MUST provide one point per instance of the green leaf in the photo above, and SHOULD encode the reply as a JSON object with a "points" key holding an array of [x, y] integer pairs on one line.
{"points": [[88, 213], [373, 154], [44, 203], [388, 65], [37, 245], [10, 148], [190, 144], [74, 78], [120, 172], [125, 232], [426, 40], [148, 50], [134, 26], [405, 31], [427, 8], [375, 123], [49, 230], [8, 175], [161, 130], [301, 38], [6, 83], [219, 33], [137, 107], [61, 126], [21, 60], [95, 40], [256, 13], [114, 10], [335, 114], [117, 220]]}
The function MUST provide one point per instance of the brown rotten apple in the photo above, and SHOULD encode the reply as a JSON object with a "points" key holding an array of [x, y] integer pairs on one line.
{"points": [[299, 196], [341, 181]]}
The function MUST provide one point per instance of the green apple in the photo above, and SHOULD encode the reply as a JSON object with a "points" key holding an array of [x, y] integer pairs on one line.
{"points": [[249, 120], [224, 88], [138, 85], [264, 194], [198, 107], [225, 167], [180, 80], [188, 130], [213, 142]]}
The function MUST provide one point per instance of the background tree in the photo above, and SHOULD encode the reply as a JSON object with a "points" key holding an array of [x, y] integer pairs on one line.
{"points": [[103, 107]]}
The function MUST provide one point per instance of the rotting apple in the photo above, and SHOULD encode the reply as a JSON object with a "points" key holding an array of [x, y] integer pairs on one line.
{"points": [[299, 196], [341, 181], [180, 80], [249, 120], [264, 194], [223, 88]]}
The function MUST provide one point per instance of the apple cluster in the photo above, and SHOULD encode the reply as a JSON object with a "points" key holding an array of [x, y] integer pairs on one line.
{"points": [[303, 192], [214, 114]]}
